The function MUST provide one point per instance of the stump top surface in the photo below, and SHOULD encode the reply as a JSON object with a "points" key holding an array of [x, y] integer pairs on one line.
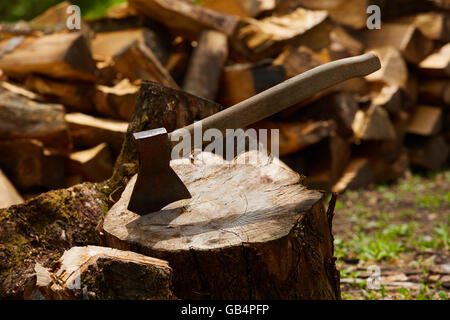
{"points": [[232, 203]]}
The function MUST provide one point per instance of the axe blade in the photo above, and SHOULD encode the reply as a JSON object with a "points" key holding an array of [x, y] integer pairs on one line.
{"points": [[157, 185]]}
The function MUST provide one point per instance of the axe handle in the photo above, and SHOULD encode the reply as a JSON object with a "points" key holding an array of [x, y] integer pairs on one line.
{"points": [[289, 92]]}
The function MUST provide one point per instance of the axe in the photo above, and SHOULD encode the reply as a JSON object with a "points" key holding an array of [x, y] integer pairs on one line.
{"points": [[157, 185]]}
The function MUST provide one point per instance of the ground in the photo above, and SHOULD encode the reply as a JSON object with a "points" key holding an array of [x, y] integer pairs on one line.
{"points": [[400, 231]]}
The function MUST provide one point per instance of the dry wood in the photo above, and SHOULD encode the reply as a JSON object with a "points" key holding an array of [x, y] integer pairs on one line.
{"points": [[206, 65], [354, 12], [258, 39], [88, 131], [116, 102], [434, 25], [405, 37], [22, 91], [437, 64], [425, 121], [64, 56], [295, 136], [76, 95], [21, 118], [241, 8], [136, 61], [373, 124], [107, 44], [100, 273], [427, 152], [184, 17], [29, 164], [355, 176], [8, 194], [242, 81], [221, 244], [394, 70], [434, 91], [342, 44], [298, 60], [94, 165]]}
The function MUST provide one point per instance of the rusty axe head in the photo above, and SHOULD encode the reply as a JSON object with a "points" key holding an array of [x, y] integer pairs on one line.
{"points": [[157, 184]]}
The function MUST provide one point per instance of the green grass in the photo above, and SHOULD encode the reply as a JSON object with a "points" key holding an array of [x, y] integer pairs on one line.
{"points": [[14, 10]]}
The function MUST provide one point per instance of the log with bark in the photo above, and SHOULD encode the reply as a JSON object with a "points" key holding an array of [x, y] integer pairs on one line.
{"points": [[206, 65], [100, 273], [22, 118], [62, 56]]}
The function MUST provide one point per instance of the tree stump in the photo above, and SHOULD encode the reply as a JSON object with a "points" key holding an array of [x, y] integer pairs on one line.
{"points": [[250, 231]]}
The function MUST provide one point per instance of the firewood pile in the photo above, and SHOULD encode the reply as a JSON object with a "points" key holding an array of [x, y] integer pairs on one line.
{"points": [[67, 96]]}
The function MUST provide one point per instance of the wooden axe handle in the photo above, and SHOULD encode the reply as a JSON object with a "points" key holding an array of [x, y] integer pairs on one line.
{"points": [[289, 92]]}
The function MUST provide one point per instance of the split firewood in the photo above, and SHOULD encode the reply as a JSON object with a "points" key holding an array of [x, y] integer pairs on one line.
{"points": [[116, 102], [100, 273], [258, 39], [8, 193], [295, 136], [434, 25], [136, 61], [268, 208], [353, 13], [437, 64], [405, 37], [434, 91], [206, 65], [241, 8], [373, 124], [22, 91], [394, 70], [425, 121], [29, 164], [427, 152], [106, 44], [184, 17], [21, 118], [63, 56], [390, 97], [298, 60], [242, 81], [88, 131], [339, 107], [384, 171], [94, 165], [76, 95], [55, 18], [355, 176], [343, 45]]}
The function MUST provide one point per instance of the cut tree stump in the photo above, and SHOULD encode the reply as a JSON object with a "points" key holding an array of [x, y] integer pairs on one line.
{"points": [[250, 231], [99, 273]]}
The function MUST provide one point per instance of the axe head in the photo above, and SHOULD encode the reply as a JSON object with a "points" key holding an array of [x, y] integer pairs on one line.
{"points": [[157, 185]]}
